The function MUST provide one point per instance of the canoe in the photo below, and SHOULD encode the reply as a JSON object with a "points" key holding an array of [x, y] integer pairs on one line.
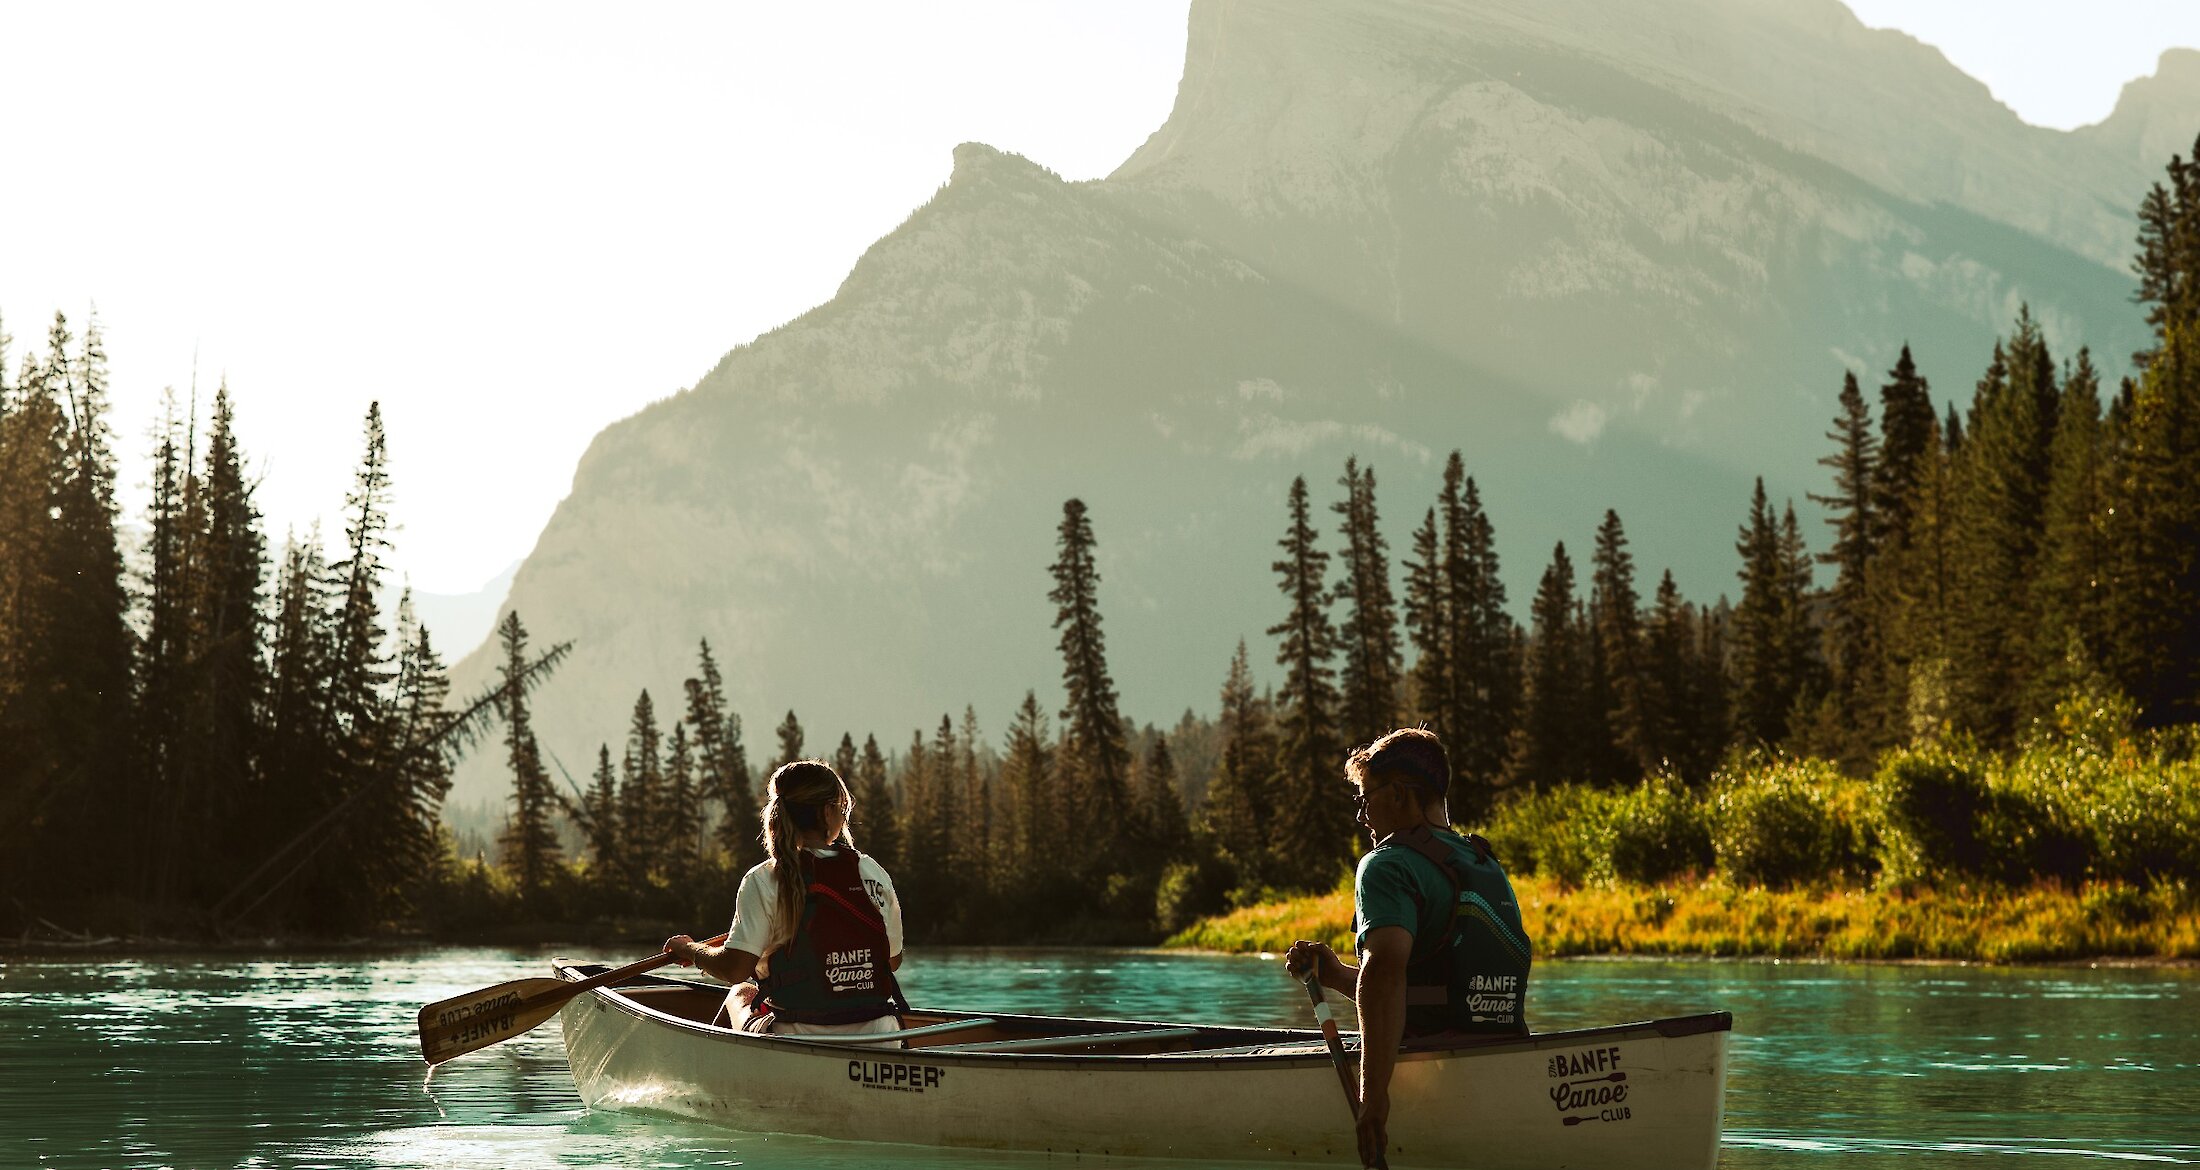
{"points": [[1647, 1095]]}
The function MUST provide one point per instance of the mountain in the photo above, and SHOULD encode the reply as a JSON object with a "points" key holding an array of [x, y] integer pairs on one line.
{"points": [[456, 619], [1618, 254]]}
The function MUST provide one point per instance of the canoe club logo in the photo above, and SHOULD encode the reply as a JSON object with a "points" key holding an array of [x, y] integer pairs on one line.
{"points": [[471, 1015], [900, 1078], [1590, 1086]]}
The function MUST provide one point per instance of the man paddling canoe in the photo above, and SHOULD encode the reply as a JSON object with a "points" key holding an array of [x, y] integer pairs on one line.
{"points": [[1442, 950], [816, 923]]}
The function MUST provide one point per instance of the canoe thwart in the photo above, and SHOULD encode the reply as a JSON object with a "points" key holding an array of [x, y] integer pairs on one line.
{"points": [[866, 1039], [1066, 1043]]}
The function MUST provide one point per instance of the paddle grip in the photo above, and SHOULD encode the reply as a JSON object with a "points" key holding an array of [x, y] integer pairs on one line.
{"points": [[638, 967]]}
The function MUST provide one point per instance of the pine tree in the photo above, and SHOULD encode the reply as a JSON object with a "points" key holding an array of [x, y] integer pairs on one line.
{"points": [[229, 684], [790, 744], [33, 462], [974, 806], [2154, 529], [2003, 475], [407, 781], [1466, 677], [1169, 831], [1240, 811], [878, 832], [2168, 261], [1486, 661], [1549, 745], [1310, 827], [1670, 688], [2068, 589], [1800, 636], [1429, 627], [1921, 595], [299, 749], [2155, 535], [1371, 674], [165, 656], [1618, 637], [642, 819], [1907, 438], [844, 760], [924, 833], [947, 850], [1095, 757], [1851, 650], [724, 764], [1764, 688], [346, 752], [1712, 728], [683, 811], [1027, 771], [597, 814], [530, 841], [90, 641], [1910, 463], [359, 666]]}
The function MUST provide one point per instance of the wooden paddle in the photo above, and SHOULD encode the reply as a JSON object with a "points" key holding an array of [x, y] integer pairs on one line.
{"points": [[1337, 1057], [465, 1023]]}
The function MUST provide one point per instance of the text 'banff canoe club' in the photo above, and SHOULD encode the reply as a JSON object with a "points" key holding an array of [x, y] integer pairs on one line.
{"points": [[1590, 1086], [902, 1078], [850, 970]]}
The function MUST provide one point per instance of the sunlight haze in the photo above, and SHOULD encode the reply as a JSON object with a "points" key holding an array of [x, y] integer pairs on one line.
{"points": [[517, 224]]}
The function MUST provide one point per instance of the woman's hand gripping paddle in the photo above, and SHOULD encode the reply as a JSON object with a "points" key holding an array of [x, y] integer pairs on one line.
{"points": [[466, 1023], [1337, 1057]]}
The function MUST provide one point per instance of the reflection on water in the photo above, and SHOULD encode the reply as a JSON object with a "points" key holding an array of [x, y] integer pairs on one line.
{"points": [[196, 1061]]}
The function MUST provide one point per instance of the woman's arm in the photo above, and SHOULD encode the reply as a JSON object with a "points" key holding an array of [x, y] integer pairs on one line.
{"points": [[724, 963]]}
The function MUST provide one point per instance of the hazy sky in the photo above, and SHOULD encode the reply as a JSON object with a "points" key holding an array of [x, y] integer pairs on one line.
{"points": [[514, 224]]}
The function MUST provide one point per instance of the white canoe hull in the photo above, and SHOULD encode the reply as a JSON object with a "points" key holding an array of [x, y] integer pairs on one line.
{"points": [[1647, 1095]]}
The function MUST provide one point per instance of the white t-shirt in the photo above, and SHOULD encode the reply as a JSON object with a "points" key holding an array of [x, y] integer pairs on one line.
{"points": [[756, 906]]}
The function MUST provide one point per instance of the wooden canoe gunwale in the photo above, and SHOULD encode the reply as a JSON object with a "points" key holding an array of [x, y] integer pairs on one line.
{"points": [[1067, 1028]]}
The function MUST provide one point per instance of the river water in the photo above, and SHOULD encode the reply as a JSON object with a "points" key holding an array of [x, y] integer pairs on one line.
{"points": [[311, 1061]]}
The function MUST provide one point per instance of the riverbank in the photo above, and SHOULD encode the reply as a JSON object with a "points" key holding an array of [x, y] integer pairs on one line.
{"points": [[2045, 923]]}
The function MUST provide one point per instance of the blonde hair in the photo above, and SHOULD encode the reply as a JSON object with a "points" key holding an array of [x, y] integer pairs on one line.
{"points": [[801, 789]]}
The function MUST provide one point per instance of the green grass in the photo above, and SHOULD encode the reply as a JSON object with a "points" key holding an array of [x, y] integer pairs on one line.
{"points": [[1710, 917]]}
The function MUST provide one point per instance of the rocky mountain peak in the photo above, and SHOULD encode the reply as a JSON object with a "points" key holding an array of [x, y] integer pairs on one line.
{"points": [[2158, 115]]}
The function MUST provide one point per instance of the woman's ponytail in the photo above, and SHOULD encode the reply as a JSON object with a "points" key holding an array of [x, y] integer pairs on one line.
{"points": [[799, 791]]}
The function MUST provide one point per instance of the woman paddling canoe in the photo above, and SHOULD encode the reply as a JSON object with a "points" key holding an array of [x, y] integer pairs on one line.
{"points": [[816, 925]]}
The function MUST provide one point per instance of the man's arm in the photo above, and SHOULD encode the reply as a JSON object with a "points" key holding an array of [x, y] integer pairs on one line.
{"points": [[1382, 999], [1336, 974]]}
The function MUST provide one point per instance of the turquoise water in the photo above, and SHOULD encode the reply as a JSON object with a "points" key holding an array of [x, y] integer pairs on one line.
{"points": [[215, 1061]]}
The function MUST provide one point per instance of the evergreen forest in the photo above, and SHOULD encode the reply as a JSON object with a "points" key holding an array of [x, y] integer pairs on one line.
{"points": [[1984, 669]]}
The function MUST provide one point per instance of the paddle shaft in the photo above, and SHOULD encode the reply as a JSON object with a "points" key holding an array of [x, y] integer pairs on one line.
{"points": [[639, 967], [467, 1023], [1323, 1016]]}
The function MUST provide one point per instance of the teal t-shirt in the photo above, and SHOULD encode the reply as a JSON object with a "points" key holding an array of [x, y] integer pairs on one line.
{"points": [[1487, 973]]}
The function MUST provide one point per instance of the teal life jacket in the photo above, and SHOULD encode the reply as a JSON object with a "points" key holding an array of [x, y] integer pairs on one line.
{"points": [[1468, 970], [836, 969]]}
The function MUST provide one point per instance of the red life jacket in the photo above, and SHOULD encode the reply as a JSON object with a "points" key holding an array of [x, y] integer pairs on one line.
{"points": [[837, 968]]}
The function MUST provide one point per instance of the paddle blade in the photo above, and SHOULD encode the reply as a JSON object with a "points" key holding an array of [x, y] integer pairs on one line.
{"points": [[477, 1019]]}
